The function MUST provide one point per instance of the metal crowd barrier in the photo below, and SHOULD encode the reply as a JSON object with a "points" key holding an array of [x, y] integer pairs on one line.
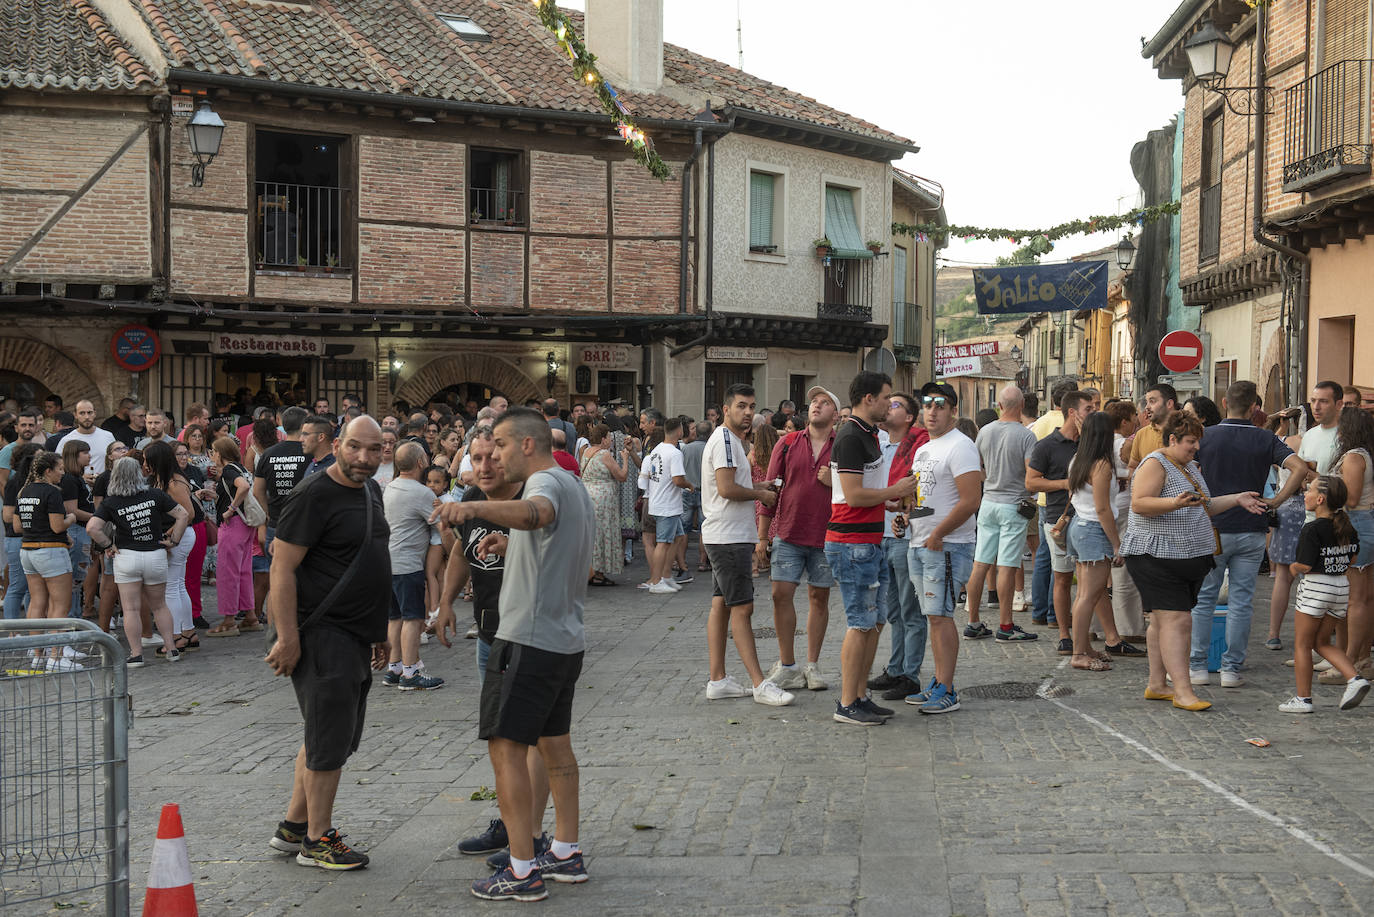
{"points": [[64, 769]]}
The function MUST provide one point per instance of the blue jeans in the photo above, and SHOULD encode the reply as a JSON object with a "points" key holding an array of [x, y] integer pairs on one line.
{"points": [[1042, 577], [857, 569], [691, 511], [939, 575], [903, 609], [1241, 553], [17, 596], [81, 558], [483, 654]]}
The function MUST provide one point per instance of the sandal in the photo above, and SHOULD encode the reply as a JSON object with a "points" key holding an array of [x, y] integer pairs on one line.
{"points": [[256, 625], [1094, 664], [601, 580], [223, 631]]}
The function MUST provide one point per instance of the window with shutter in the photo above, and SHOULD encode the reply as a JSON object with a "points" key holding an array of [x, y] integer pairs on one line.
{"points": [[898, 295], [1346, 32], [762, 191]]}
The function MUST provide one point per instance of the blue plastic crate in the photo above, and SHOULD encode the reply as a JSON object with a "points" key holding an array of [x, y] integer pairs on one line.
{"points": [[1218, 645]]}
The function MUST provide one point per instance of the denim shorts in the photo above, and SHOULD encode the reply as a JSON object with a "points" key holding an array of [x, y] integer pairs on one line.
{"points": [[45, 562], [407, 597], [263, 563], [1089, 542], [1001, 535], [939, 575], [790, 561], [691, 510], [668, 528], [857, 567], [1363, 520]]}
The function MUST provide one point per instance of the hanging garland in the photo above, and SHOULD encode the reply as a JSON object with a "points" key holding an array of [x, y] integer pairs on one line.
{"points": [[584, 65], [924, 232]]}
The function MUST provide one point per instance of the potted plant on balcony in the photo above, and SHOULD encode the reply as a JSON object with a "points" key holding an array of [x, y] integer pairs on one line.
{"points": [[823, 247], [476, 214], [330, 260], [874, 246], [301, 262]]}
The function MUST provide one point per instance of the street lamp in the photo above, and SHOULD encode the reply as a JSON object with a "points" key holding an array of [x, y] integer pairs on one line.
{"points": [[394, 366], [551, 367], [1125, 253], [205, 132], [1209, 57], [1016, 354]]}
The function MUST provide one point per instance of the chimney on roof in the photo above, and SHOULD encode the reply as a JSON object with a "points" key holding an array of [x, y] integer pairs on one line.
{"points": [[627, 38]]}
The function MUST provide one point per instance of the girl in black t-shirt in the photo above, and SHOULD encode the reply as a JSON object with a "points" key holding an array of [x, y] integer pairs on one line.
{"points": [[17, 592], [109, 592], [44, 556], [166, 475], [77, 499]]}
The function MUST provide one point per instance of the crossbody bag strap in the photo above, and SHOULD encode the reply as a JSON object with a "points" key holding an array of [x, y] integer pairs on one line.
{"points": [[353, 566]]}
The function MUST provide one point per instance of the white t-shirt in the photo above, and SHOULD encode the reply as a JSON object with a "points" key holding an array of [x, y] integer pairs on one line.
{"points": [[1123, 476], [1319, 445], [99, 440], [384, 473], [657, 473], [937, 464], [726, 521]]}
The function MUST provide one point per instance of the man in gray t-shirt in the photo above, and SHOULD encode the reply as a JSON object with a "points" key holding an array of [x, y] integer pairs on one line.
{"points": [[1004, 447], [409, 504], [692, 453], [537, 655]]}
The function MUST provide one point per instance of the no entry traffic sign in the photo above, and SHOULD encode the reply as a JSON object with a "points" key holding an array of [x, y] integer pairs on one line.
{"points": [[1180, 351], [135, 348]]}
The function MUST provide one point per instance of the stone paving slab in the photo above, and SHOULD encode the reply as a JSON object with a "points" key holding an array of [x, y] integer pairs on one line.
{"points": [[1032, 806]]}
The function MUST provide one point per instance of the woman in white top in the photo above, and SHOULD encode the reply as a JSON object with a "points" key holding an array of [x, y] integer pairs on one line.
{"points": [[1354, 447], [1093, 539], [1127, 610]]}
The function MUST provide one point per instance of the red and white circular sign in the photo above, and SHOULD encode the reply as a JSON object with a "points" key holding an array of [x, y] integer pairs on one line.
{"points": [[1180, 351]]}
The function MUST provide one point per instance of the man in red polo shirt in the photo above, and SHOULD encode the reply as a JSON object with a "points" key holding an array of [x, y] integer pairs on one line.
{"points": [[853, 537], [801, 463]]}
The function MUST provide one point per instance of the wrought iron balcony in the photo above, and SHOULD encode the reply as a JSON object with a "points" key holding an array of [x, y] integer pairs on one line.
{"points": [[300, 226], [907, 353], [847, 289], [497, 205], [1326, 128]]}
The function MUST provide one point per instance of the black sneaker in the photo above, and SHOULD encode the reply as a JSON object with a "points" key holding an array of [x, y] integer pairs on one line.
{"points": [[501, 858], [489, 841], [884, 681], [1014, 635], [902, 689], [391, 679], [288, 838], [682, 578], [1065, 647], [572, 870], [977, 631], [963, 597], [200, 623], [867, 704], [330, 852], [856, 715], [134, 662], [1126, 649], [502, 885]]}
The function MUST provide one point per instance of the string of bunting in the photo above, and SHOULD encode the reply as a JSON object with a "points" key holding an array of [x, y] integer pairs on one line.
{"points": [[584, 66], [924, 232]]}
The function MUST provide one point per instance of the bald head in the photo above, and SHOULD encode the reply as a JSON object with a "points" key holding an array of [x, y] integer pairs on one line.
{"points": [[357, 452], [1009, 402], [410, 458], [85, 416], [364, 429]]}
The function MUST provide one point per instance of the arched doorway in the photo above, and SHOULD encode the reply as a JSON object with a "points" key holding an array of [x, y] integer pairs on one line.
{"points": [[445, 372], [51, 370]]}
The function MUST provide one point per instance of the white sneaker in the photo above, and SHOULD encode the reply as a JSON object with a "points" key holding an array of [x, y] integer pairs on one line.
{"points": [[1321, 665], [154, 640], [815, 681], [770, 694], [472, 632], [62, 664], [1295, 705], [786, 677], [73, 653], [1231, 680], [726, 687], [1198, 676], [1018, 602], [1355, 690], [662, 588], [424, 638]]}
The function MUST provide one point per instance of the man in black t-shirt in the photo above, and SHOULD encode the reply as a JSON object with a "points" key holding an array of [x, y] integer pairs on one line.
{"points": [[321, 533], [1047, 472], [280, 468]]}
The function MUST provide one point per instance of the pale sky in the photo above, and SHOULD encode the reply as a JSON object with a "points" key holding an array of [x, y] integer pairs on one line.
{"points": [[1025, 112]]}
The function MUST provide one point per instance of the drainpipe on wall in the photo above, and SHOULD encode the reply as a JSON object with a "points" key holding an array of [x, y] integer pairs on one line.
{"points": [[708, 334], [686, 212], [1295, 337]]}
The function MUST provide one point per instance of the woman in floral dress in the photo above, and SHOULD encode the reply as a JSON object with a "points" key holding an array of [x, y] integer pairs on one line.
{"points": [[602, 476]]}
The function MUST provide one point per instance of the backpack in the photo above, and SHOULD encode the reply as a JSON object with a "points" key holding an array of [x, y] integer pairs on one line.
{"points": [[250, 509]]}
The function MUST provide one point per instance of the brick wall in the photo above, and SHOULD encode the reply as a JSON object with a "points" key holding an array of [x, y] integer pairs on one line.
{"points": [[208, 253], [645, 276], [410, 266], [567, 193], [226, 178], [106, 234], [271, 287], [645, 206], [404, 179], [498, 270], [568, 274]]}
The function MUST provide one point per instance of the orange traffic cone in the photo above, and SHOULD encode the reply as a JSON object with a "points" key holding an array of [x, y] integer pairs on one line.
{"points": [[170, 893]]}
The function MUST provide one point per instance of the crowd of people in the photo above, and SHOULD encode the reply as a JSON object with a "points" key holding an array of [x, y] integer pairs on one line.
{"points": [[1140, 521]]}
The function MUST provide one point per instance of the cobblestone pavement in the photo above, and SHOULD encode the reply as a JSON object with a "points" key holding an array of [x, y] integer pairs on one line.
{"points": [[1093, 802]]}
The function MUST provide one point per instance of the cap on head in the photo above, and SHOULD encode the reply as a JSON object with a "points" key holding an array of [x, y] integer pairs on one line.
{"points": [[822, 390], [941, 388]]}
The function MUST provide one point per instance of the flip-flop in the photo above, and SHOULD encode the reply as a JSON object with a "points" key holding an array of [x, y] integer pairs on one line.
{"points": [[703, 568], [224, 632], [249, 627]]}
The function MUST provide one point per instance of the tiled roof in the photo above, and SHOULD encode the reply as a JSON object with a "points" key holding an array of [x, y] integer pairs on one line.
{"points": [[65, 44], [399, 47]]}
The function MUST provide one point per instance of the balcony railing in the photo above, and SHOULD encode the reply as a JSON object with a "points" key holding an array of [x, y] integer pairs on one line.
{"points": [[300, 226], [1209, 224], [496, 205], [847, 290], [1326, 126]]}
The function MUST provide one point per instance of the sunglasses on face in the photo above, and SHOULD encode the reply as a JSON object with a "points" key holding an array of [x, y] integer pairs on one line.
{"points": [[935, 401]]}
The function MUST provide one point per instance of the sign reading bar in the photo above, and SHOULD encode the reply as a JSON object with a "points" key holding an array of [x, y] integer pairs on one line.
{"points": [[971, 349], [269, 344], [605, 356], [745, 354], [1041, 288]]}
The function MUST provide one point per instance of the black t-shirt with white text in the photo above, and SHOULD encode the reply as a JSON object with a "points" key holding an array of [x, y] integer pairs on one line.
{"points": [[486, 572], [1318, 549], [36, 501], [327, 519], [74, 487], [139, 519], [281, 467]]}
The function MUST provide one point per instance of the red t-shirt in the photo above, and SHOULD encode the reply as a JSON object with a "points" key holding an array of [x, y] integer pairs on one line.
{"points": [[856, 452], [566, 462]]}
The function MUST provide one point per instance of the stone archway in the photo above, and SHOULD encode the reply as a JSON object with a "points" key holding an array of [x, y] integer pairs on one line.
{"points": [[54, 369], [493, 371]]}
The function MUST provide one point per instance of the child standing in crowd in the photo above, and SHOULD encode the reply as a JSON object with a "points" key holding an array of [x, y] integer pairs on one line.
{"points": [[1326, 547]]}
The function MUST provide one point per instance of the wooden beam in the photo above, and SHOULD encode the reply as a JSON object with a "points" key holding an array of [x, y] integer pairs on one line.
{"points": [[300, 102]]}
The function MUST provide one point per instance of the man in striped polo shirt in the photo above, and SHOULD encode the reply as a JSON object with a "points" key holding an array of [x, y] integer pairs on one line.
{"points": [[858, 493]]}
